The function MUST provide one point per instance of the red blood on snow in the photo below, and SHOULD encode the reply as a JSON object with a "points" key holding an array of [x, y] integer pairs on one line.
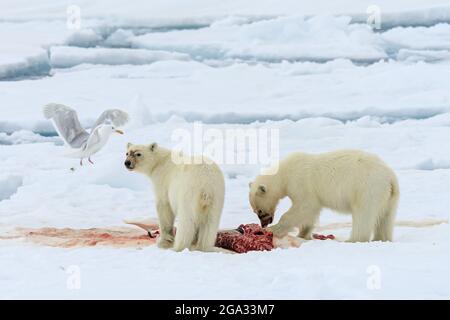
{"points": [[323, 237]]}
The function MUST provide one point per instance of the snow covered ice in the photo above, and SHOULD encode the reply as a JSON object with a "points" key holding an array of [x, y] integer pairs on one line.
{"points": [[315, 71]]}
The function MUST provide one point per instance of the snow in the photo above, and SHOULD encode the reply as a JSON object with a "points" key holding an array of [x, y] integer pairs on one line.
{"points": [[313, 71], [288, 38], [422, 55], [199, 12], [24, 47], [24, 136], [10, 184], [14, 65], [265, 30], [120, 38], [83, 38], [434, 38], [66, 57], [105, 194], [337, 276], [238, 92]]}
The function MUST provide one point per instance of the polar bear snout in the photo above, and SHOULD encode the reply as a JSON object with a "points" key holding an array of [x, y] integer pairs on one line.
{"points": [[129, 165], [265, 219], [131, 160]]}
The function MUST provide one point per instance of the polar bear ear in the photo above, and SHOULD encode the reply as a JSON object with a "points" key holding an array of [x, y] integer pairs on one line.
{"points": [[153, 146], [262, 189]]}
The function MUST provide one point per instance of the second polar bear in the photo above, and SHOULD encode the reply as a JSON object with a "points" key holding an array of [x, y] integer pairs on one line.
{"points": [[192, 191], [347, 181]]}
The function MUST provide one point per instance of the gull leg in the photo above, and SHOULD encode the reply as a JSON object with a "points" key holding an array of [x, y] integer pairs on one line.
{"points": [[81, 161], [90, 160]]}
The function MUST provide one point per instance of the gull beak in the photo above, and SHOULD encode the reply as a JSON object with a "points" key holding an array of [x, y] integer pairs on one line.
{"points": [[119, 131]]}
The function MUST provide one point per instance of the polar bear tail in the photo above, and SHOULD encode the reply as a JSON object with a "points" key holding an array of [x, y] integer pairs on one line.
{"points": [[208, 216], [205, 202], [393, 201], [384, 230]]}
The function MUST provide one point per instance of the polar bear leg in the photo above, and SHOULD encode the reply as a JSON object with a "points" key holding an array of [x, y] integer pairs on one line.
{"points": [[286, 223], [166, 220], [305, 232], [303, 216], [363, 223], [207, 233], [186, 233], [308, 220], [384, 228]]}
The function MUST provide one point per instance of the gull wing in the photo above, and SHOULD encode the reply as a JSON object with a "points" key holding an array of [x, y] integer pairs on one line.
{"points": [[66, 123], [115, 116], [94, 138]]}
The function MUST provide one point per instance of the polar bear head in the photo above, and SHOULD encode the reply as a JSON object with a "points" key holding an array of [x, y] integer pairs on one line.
{"points": [[142, 158], [263, 200]]}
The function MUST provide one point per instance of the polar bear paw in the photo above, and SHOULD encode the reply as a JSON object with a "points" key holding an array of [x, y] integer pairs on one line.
{"points": [[278, 231], [165, 242]]}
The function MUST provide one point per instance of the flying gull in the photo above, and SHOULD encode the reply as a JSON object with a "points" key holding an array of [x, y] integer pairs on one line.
{"points": [[83, 143]]}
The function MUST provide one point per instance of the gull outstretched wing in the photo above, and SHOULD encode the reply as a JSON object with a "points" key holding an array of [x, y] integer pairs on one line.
{"points": [[66, 123], [115, 116]]}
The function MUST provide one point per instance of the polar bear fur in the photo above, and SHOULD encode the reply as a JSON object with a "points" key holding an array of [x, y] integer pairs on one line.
{"points": [[193, 193], [347, 181]]}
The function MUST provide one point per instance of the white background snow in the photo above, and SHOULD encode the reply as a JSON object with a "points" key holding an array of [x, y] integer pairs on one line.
{"points": [[316, 71]]}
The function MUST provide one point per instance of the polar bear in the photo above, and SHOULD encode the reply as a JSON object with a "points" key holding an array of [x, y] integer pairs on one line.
{"points": [[347, 181], [192, 191]]}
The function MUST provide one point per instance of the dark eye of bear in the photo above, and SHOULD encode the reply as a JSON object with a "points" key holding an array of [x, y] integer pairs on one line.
{"points": [[127, 154], [138, 154]]}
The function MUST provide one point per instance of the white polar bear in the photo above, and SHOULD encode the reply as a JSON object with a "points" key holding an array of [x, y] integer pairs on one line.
{"points": [[193, 193], [347, 181]]}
